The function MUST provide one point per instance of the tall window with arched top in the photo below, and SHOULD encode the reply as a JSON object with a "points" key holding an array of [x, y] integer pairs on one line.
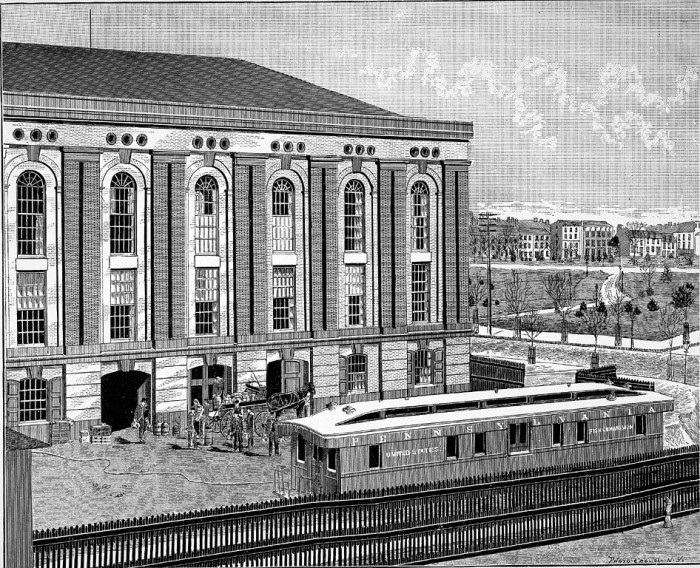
{"points": [[122, 206], [31, 213], [32, 400], [420, 213], [206, 215], [282, 215], [354, 216]]}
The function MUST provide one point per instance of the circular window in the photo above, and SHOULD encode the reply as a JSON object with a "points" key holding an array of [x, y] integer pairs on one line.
{"points": [[347, 148], [275, 146], [370, 150], [224, 143], [436, 152], [18, 134], [425, 151], [359, 149], [414, 151], [127, 139], [141, 139], [52, 136], [211, 143], [111, 138], [197, 142], [288, 146], [35, 135], [301, 147]]}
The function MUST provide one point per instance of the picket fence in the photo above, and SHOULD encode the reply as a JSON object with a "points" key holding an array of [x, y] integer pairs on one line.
{"points": [[393, 526]]}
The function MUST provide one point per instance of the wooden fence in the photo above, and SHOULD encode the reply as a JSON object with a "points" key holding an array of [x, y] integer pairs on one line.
{"points": [[400, 525], [486, 373], [609, 374]]}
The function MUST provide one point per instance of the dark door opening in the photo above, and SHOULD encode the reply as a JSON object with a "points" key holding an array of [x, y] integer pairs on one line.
{"points": [[273, 379], [209, 382], [120, 392], [286, 376]]}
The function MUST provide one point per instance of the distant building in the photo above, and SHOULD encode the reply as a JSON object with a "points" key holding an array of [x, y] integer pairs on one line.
{"points": [[595, 239], [660, 241], [534, 242], [685, 236], [565, 239]]}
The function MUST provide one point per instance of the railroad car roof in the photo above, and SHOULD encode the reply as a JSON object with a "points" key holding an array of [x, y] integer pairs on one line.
{"points": [[414, 413]]}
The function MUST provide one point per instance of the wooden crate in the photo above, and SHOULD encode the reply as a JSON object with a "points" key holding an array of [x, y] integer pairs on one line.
{"points": [[100, 430], [60, 432], [101, 439], [84, 437]]}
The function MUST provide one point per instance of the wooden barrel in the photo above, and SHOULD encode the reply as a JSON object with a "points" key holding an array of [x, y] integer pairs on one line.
{"points": [[165, 429], [208, 436], [157, 429], [176, 429]]}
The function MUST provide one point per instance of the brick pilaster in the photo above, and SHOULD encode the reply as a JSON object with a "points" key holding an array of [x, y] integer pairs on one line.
{"points": [[242, 252], [92, 291], [400, 254], [71, 261], [260, 250], [450, 214], [330, 238], [463, 245]]}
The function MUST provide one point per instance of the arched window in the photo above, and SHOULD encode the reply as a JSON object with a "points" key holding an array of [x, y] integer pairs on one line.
{"points": [[31, 216], [32, 400], [206, 218], [354, 216], [419, 215], [282, 215], [121, 214]]}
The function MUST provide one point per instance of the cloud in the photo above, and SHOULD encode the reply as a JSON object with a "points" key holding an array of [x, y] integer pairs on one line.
{"points": [[534, 76]]}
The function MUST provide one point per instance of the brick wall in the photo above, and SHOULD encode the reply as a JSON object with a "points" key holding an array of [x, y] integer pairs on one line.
{"points": [[241, 252], [71, 260], [450, 248], [260, 251], [92, 266], [463, 245], [385, 247]]}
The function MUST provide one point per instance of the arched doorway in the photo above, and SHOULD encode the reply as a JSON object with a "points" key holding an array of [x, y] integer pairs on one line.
{"points": [[286, 375], [208, 381], [120, 392]]}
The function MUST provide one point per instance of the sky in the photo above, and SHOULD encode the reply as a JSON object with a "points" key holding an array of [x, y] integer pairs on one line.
{"points": [[580, 109]]}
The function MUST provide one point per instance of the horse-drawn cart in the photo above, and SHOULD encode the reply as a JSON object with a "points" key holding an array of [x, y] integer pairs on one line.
{"points": [[226, 421]]}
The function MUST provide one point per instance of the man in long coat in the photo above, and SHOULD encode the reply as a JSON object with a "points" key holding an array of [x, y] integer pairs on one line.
{"points": [[142, 417]]}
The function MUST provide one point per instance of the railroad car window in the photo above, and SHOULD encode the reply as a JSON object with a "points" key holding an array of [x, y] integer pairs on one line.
{"points": [[556, 434], [410, 411], [452, 447], [519, 437], [457, 406], [640, 425], [301, 448], [582, 432], [331, 460], [375, 457], [480, 443], [319, 454], [556, 397], [509, 402]]}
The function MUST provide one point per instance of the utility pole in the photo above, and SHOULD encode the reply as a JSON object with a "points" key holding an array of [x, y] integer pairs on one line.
{"points": [[485, 225]]}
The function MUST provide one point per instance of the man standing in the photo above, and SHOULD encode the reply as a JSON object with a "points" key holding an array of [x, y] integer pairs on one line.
{"points": [[141, 416], [249, 425], [272, 434]]}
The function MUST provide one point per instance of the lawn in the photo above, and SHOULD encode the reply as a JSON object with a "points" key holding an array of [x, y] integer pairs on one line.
{"points": [[533, 279]]}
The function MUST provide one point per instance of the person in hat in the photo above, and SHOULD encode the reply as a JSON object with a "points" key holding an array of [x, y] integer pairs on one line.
{"points": [[272, 427], [249, 427], [142, 417], [198, 411]]}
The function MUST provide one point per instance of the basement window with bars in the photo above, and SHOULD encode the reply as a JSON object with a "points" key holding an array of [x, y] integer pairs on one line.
{"points": [[31, 308], [283, 294], [420, 292], [282, 215], [355, 295], [122, 304], [122, 204], [33, 400], [31, 214], [354, 216], [420, 199], [519, 437], [206, 307], [206, 216]]}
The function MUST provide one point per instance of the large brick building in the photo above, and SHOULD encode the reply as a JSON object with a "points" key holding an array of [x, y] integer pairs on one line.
{"points": [[176, 226]]}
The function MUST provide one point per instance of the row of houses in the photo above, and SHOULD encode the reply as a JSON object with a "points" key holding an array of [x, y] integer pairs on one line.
{"points": [[538, 239]]}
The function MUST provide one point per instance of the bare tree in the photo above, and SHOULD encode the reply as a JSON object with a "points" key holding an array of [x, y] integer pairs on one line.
{"points": [[632, 311], [533, 324], [561, 288], [648, 268], [616, 305], [594, 317], [635, 231], [477, 293], [670, 320], [517, 297]]}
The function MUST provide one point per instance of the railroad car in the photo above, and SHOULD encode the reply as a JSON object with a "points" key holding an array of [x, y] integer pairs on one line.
{"points": [[377, 444]]}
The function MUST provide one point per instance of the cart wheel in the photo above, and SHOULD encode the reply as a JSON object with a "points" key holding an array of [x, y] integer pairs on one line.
{"points": [[226, 425], [259, 423]]}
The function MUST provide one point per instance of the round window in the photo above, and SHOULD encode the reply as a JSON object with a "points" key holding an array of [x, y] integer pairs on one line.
{"points": [[436, 152], [414, 151], [275, 146], [425, 151], [359, 149], [347, 148], [370, 150], [288, 146], [301, 147], [211, 143], [141, 139], [18, 134], [197, 142], [111, 138], [127, 139], [224, 143], [35, 135], [52, 136]]}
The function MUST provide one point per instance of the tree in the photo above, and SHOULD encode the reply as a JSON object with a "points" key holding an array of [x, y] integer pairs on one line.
{"points": [[614, 245], [586, 258], [652, 306], [517, 297], [617, 302], [648, 268], [533, 325], [595, 318], [669, 326], [666, 275], [561, 288], [682, 299], [632, 311], [477, 293], [635, 231]]}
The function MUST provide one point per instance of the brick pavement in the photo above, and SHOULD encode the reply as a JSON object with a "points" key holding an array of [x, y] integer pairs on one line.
{"points": [[69, 492]]}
